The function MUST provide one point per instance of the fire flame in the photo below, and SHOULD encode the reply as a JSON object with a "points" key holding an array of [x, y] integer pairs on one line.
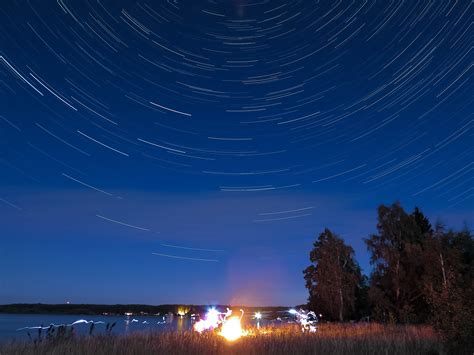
{"points": [[231, 329]]}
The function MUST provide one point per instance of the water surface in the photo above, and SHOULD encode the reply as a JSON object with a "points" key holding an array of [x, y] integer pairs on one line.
{"points": [[14, 327]]}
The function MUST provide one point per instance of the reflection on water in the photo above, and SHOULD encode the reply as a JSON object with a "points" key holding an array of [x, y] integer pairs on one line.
{"points": [[180, 325]]}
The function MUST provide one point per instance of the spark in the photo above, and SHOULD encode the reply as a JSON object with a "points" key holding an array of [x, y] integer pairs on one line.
{"points": [[230, 327], [307, 320], [211, 320]]}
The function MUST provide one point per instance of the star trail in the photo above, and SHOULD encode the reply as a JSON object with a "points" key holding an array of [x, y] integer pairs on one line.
{"points": [[149, 140]]}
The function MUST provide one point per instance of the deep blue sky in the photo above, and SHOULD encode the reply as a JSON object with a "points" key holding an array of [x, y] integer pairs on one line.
{"points": [[191, 151]]}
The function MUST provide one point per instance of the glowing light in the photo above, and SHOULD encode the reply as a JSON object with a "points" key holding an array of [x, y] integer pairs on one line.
{"points": [[231, 329], [210, 321], [213, 315], [258, 316], [307, 320], [182, 311]]}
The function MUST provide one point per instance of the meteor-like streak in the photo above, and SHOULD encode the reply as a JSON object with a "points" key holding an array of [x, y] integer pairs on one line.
{"points": [[185, 258], [189, 248]]}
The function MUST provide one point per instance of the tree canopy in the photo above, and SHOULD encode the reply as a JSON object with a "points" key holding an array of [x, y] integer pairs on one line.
{"points": [[333, 277]]}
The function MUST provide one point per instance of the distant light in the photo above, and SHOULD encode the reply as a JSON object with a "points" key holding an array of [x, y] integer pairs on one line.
{"points": [[292, 311], [182, 311], [258, 315]]}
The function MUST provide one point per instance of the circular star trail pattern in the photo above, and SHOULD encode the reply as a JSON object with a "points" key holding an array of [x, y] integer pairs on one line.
{"points": [[253, 97]]}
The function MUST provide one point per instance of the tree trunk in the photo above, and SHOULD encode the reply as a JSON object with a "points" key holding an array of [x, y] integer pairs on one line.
{"points": [[397, 280], [341, 306], [338, 274], [442, 269]]}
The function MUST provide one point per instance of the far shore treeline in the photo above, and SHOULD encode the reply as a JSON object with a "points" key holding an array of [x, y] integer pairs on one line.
{"points": [[121, 309]]}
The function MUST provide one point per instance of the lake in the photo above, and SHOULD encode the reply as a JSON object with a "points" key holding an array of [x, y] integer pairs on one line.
{"points": [[16, 326]]}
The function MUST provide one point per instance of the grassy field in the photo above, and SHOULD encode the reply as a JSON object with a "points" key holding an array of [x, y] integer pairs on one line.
{"points": [[350, 339]]}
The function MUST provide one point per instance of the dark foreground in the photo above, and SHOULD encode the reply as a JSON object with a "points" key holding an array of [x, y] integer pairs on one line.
{"points": [[330, 339]]}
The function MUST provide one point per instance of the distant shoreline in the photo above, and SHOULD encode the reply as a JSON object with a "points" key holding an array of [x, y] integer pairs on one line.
{"points": [[123, 309]]}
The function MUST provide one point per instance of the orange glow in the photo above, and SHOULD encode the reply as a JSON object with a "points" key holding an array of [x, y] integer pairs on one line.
{"points": [[182, 311], [231, 329]]}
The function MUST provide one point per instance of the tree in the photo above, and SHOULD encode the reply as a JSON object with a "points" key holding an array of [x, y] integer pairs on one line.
{"points": [[449, 286], [332, 278], [395, 288]]}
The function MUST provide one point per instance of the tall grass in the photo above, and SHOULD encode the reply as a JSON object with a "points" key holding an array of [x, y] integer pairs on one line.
{"points": [[352, 339]]}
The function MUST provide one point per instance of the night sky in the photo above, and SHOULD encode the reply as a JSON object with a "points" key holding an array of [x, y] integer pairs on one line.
{"points": [[191, 151]]}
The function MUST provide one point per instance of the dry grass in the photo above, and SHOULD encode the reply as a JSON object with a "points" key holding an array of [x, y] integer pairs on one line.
{"points": [[350, 339]]}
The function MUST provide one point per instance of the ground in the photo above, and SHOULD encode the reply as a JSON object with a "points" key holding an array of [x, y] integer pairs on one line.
{"points": [[329, 339]]}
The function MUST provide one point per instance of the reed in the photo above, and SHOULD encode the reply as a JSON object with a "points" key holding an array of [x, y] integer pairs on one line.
{"points": [[353, 339]]}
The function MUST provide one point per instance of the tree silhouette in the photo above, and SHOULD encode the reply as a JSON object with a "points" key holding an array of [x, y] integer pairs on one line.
{"points": [[396, 290], [332, 278], [449, 286], [419, 275]]}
